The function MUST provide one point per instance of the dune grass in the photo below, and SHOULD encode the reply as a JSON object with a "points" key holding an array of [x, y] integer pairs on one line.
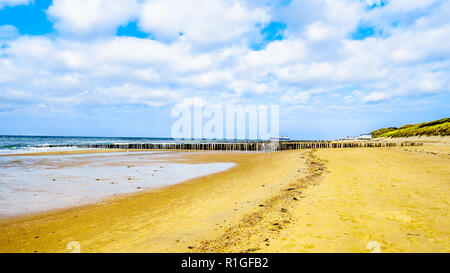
{"points": [[434, 128]]}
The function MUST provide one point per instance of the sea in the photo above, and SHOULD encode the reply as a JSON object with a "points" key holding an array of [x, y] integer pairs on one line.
{"points": [[10, 144]]}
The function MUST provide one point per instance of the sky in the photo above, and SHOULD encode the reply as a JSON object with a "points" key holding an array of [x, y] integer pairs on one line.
{"points": [[117, 67]]}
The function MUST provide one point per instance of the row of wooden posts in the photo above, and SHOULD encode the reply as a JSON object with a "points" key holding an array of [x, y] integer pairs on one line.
{"points": [[243, 146]]}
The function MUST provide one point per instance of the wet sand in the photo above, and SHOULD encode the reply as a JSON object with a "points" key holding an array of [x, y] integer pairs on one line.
{"points": [[30, 184], [75, 152], [329, 200], [164, 220]]}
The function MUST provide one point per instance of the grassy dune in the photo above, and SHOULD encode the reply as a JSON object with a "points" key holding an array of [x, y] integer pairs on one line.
{"points": [[434, 128]]}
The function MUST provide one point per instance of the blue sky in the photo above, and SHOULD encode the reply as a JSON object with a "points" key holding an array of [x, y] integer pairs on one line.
{"points": [[117, 67]]}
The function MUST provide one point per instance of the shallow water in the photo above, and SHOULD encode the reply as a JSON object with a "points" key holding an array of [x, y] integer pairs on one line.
{"points": [[28, 144], [31, 184]]}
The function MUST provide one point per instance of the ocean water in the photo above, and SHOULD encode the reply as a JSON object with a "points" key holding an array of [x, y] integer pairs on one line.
{"points": [[26, 144], [30, 184]]}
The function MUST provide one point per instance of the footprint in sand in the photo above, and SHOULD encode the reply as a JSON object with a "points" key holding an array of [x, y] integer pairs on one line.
{"points": [[397, 216], [374, 247]]}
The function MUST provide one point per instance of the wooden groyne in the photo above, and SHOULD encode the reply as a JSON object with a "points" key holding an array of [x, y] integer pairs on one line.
{"points": [[242, 145]]}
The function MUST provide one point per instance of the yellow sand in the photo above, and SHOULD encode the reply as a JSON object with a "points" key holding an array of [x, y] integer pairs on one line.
{"points": [[164, 220], [330, 200], [398, 199]]}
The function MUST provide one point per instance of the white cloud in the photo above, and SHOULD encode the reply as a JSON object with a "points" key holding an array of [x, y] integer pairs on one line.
{"points": [[212, 78], [8, 31], [320, 17], [245, 86], [201, 22], [198, 23], [12, 3], [293, 97], [316, 60], [373, 2], [84, 17], [275, 54], [403, 13], [375, 97], [319, 32], [147, 74], [107, 71], [408, 5]]}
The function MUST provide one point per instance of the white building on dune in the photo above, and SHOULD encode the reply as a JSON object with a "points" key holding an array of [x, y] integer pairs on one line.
{"points": [[360, 137], [364, 137]]}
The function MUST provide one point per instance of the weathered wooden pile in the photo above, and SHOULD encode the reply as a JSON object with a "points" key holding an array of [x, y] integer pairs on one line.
{"points": [[242, 145]]}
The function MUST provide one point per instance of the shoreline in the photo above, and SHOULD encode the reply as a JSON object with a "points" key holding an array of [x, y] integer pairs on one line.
{"points": [[245, 146], [94, 151], [103, 201], [177, 157]]}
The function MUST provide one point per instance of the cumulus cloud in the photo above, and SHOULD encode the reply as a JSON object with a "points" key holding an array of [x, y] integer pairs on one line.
{"points": [[201, 22], [198, 23], [110, 70], [212, 60], [84, 17], [318, 18]]}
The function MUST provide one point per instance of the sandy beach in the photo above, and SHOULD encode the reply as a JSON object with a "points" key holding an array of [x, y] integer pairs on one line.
{"points": [[327, 200], [225, 126]]}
